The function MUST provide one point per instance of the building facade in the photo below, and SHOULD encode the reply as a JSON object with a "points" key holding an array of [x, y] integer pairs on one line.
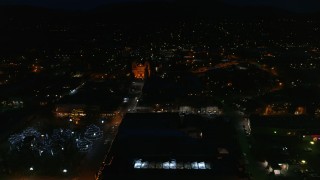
{"points": [[141, 71]]}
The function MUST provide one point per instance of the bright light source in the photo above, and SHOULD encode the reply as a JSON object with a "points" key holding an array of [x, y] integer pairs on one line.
{"points": [[137, 164], [277, 172], [70, 120], [202, 165], [102, 121], [194, 165], [173, 164], [166, 165], [65, 170], [275, 132], [144, 165], [31, 169], [303, 162], [311, 142], [73, 92], [125, 100], [265, 164]]}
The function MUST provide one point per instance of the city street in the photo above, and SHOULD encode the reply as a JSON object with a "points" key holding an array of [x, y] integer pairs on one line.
{"points": [[98, 157], [253, 168]]}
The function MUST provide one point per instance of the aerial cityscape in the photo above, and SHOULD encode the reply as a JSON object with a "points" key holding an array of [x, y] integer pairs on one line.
{"points": [[160, 89]]}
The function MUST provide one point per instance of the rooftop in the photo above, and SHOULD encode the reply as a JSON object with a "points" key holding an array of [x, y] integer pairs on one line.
{"points": [[152, 141]]}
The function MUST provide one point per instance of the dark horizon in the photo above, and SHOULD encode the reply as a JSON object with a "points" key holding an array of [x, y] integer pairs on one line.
{"points": [[308, 6]]}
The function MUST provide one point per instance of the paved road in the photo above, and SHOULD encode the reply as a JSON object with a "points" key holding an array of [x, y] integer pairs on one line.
{"points": [[252, 166], [116, 121]]}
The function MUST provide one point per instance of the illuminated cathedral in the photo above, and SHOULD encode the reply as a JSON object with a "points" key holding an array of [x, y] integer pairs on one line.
{"points": [[141, 71]]}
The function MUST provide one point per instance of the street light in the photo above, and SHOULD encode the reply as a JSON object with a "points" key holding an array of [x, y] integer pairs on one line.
{"points": [[311, 142], [64, 170], [31, 168]]}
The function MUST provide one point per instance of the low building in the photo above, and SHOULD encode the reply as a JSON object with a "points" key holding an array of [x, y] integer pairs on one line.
{"points": [[200, 110], [165, 145], [68, 110]]}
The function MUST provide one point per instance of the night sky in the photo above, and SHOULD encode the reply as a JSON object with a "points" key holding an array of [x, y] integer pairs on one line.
{"points": [[291, 5]]}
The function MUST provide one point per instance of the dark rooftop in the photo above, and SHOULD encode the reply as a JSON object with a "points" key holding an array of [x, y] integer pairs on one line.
{"points": [[163, 137]]}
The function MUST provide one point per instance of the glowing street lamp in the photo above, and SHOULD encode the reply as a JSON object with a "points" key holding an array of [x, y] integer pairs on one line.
{"points": [[312, 142]]}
